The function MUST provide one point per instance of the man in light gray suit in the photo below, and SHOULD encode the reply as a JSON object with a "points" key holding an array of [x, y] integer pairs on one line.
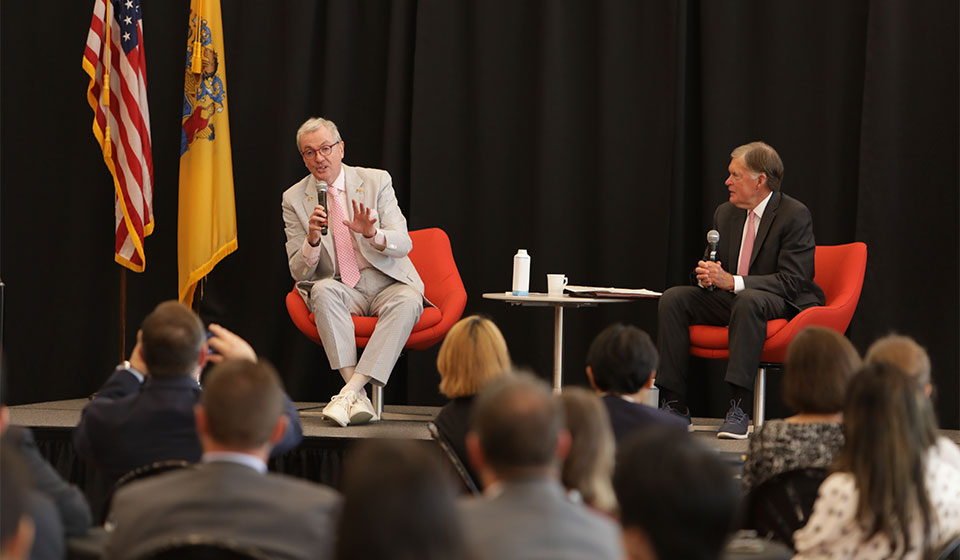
{"points": [[229, 495], [516, 444], [347, 247]]}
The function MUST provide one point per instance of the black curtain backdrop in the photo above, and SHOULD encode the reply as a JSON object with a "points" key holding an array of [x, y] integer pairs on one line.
{"points": [[594, 134]]}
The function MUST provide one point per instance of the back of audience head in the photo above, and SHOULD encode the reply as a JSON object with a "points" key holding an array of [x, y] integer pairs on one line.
{"points": [[588, 468], [677, 498], [622, 360], [16, 526], [242, 406], [888, 425], [820, 364], [473, 353], [517, 429], [906, 354], [172, 340], [411, 504]]}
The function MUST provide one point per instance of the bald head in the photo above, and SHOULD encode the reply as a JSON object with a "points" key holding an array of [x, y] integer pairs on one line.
{"points": [[518, 423]]}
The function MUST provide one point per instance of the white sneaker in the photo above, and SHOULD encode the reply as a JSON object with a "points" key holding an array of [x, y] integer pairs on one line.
{"points": [[361, 411], [339, 408]]}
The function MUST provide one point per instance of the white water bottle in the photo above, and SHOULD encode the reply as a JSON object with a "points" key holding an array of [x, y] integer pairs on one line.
{"points": [[521, 273]]}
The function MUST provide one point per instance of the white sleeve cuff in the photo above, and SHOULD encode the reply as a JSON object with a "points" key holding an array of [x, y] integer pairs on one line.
{"points": [[737, 284], [310, 253], [136, 374]]}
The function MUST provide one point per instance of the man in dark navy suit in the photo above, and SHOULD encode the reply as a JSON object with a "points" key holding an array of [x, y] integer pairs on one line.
{"points": [[764, 270], [144, 412]]}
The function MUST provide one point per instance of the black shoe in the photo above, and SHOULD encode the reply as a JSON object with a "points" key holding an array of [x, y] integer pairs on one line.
{"points": [[735, 424], [676, 412]]}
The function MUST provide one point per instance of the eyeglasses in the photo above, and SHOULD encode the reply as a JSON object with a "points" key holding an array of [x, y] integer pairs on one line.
{"points": [[311, 153]]}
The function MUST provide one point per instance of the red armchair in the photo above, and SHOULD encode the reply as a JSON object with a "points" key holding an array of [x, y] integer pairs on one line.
{"points": [[839, 273], [433, 258]]}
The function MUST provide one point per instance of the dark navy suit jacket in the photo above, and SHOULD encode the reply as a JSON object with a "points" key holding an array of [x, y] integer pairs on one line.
{"points": [[130, 424], [627, 418]]}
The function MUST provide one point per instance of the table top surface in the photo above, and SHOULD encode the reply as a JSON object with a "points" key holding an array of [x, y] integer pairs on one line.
{"points": [[565, 300]]}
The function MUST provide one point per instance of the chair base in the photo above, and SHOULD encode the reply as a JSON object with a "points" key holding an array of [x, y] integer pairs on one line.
{"points": [[759, 403], [376, 398]]}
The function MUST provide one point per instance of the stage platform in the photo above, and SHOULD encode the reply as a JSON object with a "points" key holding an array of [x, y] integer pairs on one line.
{"points": [[399, 421]]}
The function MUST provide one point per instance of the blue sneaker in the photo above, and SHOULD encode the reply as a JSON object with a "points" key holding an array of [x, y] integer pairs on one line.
{"points": [[685, 416], [735, 424]]}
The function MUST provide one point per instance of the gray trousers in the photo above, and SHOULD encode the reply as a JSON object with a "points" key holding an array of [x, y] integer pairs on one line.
{"points": [[396, 305]]}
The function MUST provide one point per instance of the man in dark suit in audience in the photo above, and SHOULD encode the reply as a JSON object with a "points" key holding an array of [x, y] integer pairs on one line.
{"points": [[516, 444], [230, 495], [622, 367], [30, 525], [144, 412], [677, 498], [58, 509]]}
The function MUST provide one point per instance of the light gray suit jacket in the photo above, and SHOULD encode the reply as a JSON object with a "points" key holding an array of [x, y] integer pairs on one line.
{"points": [[284, 517], [533, 519], [372, 187]]}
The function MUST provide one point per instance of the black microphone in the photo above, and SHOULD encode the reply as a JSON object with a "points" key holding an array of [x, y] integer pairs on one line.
{"points": [[713, 240], [323, 200]]}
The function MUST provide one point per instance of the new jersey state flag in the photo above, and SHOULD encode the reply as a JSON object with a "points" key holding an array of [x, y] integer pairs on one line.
{"points": [[207, 226]]}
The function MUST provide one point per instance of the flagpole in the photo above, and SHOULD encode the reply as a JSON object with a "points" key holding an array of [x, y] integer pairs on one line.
{"points": [[123, 314], [108, 151]]}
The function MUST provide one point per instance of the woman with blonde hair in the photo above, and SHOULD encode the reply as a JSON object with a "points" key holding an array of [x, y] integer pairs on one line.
{"points": [[473, 353], [588, 468]]}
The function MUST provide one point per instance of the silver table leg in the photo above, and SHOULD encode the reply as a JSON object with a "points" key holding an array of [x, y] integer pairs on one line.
{"points": [[557, 348]]}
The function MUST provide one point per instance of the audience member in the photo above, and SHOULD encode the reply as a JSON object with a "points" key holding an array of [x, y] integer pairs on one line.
{"points": [[144, 412], [588, 468], [906, 354], [16, 524], [895, 489], [622, 366], [516, 443], [230, 495], [820, 364], [70, 503], [677, 498], [472, 354], [411, 505], [71, 507]]}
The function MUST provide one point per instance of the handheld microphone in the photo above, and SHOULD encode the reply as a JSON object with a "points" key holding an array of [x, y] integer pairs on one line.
{"points": [[323, 200], [713, 240]]}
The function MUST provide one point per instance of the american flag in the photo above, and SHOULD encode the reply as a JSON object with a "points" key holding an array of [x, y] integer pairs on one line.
{"points": [[121, 120]]}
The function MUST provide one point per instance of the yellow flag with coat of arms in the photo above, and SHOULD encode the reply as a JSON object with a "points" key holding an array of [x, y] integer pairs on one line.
{"points": [[207, 225]]}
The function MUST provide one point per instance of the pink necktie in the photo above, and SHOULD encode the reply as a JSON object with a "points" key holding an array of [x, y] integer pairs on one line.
{"points": [[747, 246], [346, 259]]}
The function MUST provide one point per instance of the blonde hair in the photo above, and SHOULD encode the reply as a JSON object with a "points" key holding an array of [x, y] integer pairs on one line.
{"points": [[588, 468], [473, 353], [903, 352]]}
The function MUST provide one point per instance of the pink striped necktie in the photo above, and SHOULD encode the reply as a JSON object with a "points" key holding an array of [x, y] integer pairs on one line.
{"points": [[346, 258], [747, 245]]}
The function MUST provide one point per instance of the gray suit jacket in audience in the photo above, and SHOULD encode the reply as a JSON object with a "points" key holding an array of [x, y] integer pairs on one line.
{"points": [[284, 517], [533, 519]]}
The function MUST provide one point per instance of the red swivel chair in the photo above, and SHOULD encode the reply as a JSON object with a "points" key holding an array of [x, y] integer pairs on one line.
{"points": [[433, 259], [839, 273]]}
